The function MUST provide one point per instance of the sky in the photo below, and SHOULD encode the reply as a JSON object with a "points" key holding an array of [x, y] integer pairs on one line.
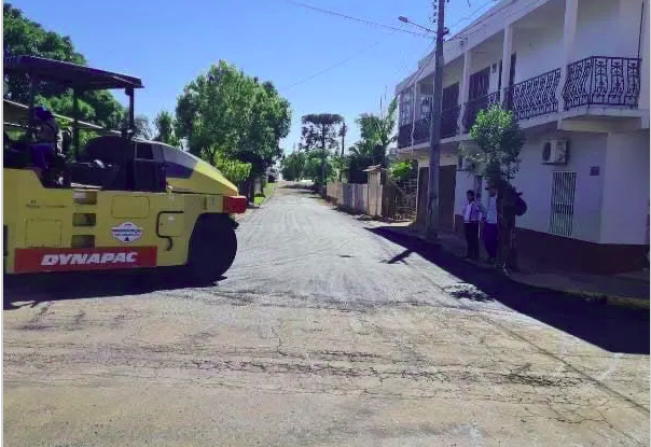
{"points": [[320, 62]]}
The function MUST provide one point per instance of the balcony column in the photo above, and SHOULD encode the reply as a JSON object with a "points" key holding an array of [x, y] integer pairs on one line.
{"points": [[464, 88], [644, 54], [507, 50], [569, 37], [414, 108]]}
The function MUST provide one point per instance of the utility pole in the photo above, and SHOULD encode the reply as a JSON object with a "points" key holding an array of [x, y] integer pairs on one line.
{"points": [[432, 222], [344, 129]]}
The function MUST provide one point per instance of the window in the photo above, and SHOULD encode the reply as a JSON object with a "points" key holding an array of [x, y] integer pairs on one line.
{"points": [[144, 151], [562, 207], [406, 107]]}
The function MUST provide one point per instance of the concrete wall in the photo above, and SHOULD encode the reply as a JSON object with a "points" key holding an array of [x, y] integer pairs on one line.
{"points": [[487, 55], [359, 198], [535, 180], [538, 50], [626, 189], [608, 28], [645, 50]]}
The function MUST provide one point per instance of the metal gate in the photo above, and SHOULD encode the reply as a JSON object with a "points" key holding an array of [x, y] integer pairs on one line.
{"points": [[562, 206]]}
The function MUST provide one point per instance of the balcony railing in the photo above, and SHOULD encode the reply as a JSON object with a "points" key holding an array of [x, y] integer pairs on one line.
{"points": [[449, 122], [602, 80], [533, 97], [421, 128], [404, 135], [421, 131], [474, 106]]}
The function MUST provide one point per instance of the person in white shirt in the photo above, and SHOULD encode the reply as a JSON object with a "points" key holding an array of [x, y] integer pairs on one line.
{"points": [[490, 226], [472, 215]]}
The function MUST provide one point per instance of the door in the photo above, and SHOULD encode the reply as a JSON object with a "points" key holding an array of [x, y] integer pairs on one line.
{"points": [[561, 218], [479, 83], [450, 97]]}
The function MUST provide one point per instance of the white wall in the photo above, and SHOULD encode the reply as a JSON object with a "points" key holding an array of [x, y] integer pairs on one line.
{"points": [[484, 56], [597, 28], [453, 73], [538, 50], [645, 81], [464, 181], [630, 12], [626, 188], [535, 180]]}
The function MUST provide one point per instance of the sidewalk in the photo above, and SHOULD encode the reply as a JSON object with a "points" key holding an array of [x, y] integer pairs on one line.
{"points": [[628, 290]]}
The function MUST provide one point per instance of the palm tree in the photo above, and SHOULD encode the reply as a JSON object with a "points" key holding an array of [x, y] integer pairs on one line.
{"points": [[377, 132]]}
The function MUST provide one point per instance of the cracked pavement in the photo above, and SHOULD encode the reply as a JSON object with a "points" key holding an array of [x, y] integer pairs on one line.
{"points": [[316, 338]]}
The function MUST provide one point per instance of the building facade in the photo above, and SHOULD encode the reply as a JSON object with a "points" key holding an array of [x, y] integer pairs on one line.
{"points": [[575, 74]]}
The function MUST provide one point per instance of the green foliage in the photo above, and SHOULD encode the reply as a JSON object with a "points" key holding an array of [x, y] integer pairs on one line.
{"points": [[228, 112], [293, 166], [377, 132], [234, 170], [25, 37], [164, 123], [379, 129], [500, 141], [318, 166], [403, 170]]}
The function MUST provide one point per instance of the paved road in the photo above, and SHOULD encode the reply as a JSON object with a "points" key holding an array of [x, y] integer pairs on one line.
{"points": [[328, 331]]}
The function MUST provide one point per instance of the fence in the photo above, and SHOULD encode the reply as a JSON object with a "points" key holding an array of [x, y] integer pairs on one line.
{"points": [[359, 198]]}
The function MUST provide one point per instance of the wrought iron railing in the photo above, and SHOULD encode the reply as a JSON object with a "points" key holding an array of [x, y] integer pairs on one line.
{"points": [[421, 131], [474, 106], [602, 80], [404, 135], [449, 122], [533, 97]]}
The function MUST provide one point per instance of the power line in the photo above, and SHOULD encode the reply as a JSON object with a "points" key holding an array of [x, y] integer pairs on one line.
{"points": [[463, 19], [356, 19], [341, 62]]}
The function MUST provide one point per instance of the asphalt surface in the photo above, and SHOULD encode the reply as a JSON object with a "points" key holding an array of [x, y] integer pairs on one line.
{"points": [[327, 331]]}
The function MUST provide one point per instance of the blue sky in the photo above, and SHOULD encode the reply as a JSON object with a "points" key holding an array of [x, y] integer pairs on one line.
{"points": [[168, 43]]}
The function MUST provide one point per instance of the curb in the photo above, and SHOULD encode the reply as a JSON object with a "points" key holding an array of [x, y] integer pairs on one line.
{"points": [[610, 300], [591, 297]]}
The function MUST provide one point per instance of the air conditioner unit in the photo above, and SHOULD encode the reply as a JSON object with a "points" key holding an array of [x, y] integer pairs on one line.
{"points": [[554, 152]]}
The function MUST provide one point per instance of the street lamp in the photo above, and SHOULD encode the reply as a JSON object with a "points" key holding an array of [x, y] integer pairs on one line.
{"points": [[404, 19]]}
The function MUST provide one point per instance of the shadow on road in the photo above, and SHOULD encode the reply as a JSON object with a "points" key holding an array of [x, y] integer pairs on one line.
{"points": [[30, 290], [611, 328]]}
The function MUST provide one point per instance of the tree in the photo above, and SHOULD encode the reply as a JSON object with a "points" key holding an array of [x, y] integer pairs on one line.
{"points": [[403, 170], [25, 37], [377, 132], [142, 127], [293, 166], [164, 123], [234, 170], [319, 135], [230, 113], [500, 140], [318, 168]]}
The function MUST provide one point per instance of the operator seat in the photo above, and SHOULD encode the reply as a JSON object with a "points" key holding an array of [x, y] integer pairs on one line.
{"points": [[116, 162]]}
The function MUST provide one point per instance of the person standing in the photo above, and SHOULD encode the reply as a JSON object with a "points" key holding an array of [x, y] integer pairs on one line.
{"points": [[490, 226], [472, 212]]}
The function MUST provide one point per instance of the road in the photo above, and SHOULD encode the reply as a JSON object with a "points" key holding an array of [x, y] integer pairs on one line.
{"points": [[327, 331]]}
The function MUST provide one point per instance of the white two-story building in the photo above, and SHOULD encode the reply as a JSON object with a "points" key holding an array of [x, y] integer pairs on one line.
{"points": [[575, 74]]}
